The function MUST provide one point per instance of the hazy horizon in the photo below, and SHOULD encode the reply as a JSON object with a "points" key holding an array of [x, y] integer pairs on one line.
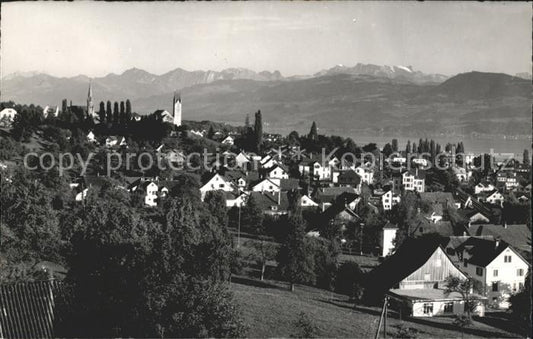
{"points": [[295, 38]]}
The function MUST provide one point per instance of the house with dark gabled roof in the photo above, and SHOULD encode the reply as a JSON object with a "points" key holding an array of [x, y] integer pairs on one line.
{"points": [[421, 225], [277, 172], [274, 204], [414, 279], [216, 182], [518, 236], [329, 194], [496, 265], [347, 178]]}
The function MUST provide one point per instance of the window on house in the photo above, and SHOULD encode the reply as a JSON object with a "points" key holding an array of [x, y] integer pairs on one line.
{"points": [[520, 272], [507, 258], [521, 286], [221, 185], [448, 307], [465, 263], [495, 273], [495, 286], [428, 308], [479, 271]]}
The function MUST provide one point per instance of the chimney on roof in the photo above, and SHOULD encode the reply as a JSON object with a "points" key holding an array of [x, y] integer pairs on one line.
{"points": [[469, 224], [496, 243], [505, 224]]}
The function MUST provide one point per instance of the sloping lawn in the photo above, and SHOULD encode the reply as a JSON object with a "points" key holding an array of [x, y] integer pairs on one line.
{"points": [[270, 310]]}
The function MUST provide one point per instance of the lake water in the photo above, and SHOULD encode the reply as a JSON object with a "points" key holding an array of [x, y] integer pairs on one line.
{"points": [[478, 145]]}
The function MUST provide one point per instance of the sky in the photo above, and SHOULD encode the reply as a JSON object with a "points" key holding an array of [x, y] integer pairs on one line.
{"points": [[296, 38]]}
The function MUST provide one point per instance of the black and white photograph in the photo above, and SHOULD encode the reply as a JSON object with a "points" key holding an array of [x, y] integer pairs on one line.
{"points": [[265, 169]]}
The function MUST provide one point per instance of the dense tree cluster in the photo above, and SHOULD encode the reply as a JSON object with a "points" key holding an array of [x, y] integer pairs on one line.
{"points": [[129, 273]]}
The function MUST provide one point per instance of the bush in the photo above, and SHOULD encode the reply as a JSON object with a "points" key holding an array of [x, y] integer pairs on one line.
{"points": [[304, 327], [406, 332], [349, 280]]}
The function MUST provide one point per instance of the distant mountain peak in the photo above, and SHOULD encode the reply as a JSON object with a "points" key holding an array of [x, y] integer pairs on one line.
{"points": [[27, 74]]}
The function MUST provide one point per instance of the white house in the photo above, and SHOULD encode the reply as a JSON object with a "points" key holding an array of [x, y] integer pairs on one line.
{"points": [[414, 279], [216, 183], [306, 201], [229, 140], [483, 187], [268, 161], [493, 197], [51, 111], [235, 200], [8, 114], [315, 169], [242, 160], [150, 189], [409, 181], [366, 174], [91, 137], [499, 267], [82, 195], [267, 185], [388, 199], [277, 172]]}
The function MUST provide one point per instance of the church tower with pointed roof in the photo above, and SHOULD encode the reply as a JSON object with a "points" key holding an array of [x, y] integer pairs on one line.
{"points": [[90, 104], [176, 109]]}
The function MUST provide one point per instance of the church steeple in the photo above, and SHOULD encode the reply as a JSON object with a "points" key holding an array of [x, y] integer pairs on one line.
{"points": [[90, 104], [176, 108]]}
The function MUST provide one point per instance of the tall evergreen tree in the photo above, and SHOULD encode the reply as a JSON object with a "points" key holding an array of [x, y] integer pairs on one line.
{"points": [[122, 114], [432, 149], [247, 121], [115, 113], [460, 148], [109, 112], [387, 150], [525, 158], [64, 106], [216, 205], [394, 145], [408, 147], [313, 133], [210, 132], [101, 112], [258, 131], [252, 217], [128, 110], [414, 148], [296, 264]]}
